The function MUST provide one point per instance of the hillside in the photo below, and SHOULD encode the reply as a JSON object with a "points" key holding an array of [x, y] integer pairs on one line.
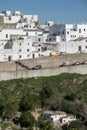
{"points": [[67, 92]]}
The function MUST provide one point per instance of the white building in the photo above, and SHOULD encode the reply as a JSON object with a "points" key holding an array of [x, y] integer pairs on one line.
{"points": [[68, 119], [58, 116], [53, 116], [16, 27], [10, 17], [68, 32], [72, 47], [18, 50]]}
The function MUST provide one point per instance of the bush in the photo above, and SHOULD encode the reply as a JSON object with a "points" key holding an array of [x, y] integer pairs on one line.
{"points": [[27, 120], [69, 108], [26, 103], [71, 97]]}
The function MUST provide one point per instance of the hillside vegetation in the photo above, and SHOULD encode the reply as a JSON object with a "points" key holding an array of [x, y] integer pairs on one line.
{"points": [[67, 92]]}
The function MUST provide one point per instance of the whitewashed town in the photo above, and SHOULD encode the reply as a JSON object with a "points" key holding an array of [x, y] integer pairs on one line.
{"points": [[24, 37]]}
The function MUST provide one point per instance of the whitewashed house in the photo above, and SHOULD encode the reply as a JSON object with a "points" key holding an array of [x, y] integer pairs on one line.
{"points": [[72, 47], [53, 116], [68, 32], [18, 50], [68, 119], [58, 116]]}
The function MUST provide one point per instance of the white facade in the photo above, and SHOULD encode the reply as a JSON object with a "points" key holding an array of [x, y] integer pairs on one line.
{"points": [[49, 23], [11, 17], [53, 116], [19, 50], [58, 116], [5, 34], [70, 38], [69, 32], [68, 119], [73, 47]]}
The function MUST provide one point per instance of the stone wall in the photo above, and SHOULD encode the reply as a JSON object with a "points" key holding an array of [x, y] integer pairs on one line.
{"points": [[81, 69], [45, 62]]}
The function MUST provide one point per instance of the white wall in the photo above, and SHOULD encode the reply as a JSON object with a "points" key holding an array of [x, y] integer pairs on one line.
{"points": [[10, 32], [72, 47], [69, 32]]}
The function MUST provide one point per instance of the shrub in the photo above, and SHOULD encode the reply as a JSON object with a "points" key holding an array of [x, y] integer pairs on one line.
{"points": [[27, 120]]}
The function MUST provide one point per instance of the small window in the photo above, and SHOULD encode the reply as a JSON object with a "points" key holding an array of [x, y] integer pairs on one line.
{"points": [[84, 29], [49, 39], [20, 44], [27, 55], [39, 49], [27, 49], [62, 32], [68, 32], [51, 119], [74, 29], [39, 39], [79, 48], [6, 35], [27, 33], [19, 50], [28, 43], [79, 30], [20, 56]]}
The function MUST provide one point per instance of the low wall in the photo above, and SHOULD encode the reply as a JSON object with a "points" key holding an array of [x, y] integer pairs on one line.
{"points": [[45, 62], [82, 69]]}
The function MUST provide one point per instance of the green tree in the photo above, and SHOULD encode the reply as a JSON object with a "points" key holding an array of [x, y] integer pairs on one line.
{"points": [[71, 97], [69, 108], [26, 103], [27, 120], [45, 94]]}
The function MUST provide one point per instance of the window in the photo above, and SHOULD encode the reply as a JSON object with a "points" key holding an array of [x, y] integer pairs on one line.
{"points": [[74, 29], [28, 43], [6, 35], [20, 56], [27, 55], [79, 30], [39, 49], [20, 44], [79, 48], [27, 49], [51, 119], [62, 32], [19, 50], [39, 39], [86, 47], [84, 29], [49, 39], [27, 33], [68, 32]]}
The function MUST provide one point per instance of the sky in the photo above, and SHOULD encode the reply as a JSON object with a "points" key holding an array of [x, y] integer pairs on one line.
{"points": [[59, 11]]}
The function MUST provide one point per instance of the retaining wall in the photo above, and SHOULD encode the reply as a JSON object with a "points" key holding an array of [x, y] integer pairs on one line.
{"points": [[82, 69]]}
